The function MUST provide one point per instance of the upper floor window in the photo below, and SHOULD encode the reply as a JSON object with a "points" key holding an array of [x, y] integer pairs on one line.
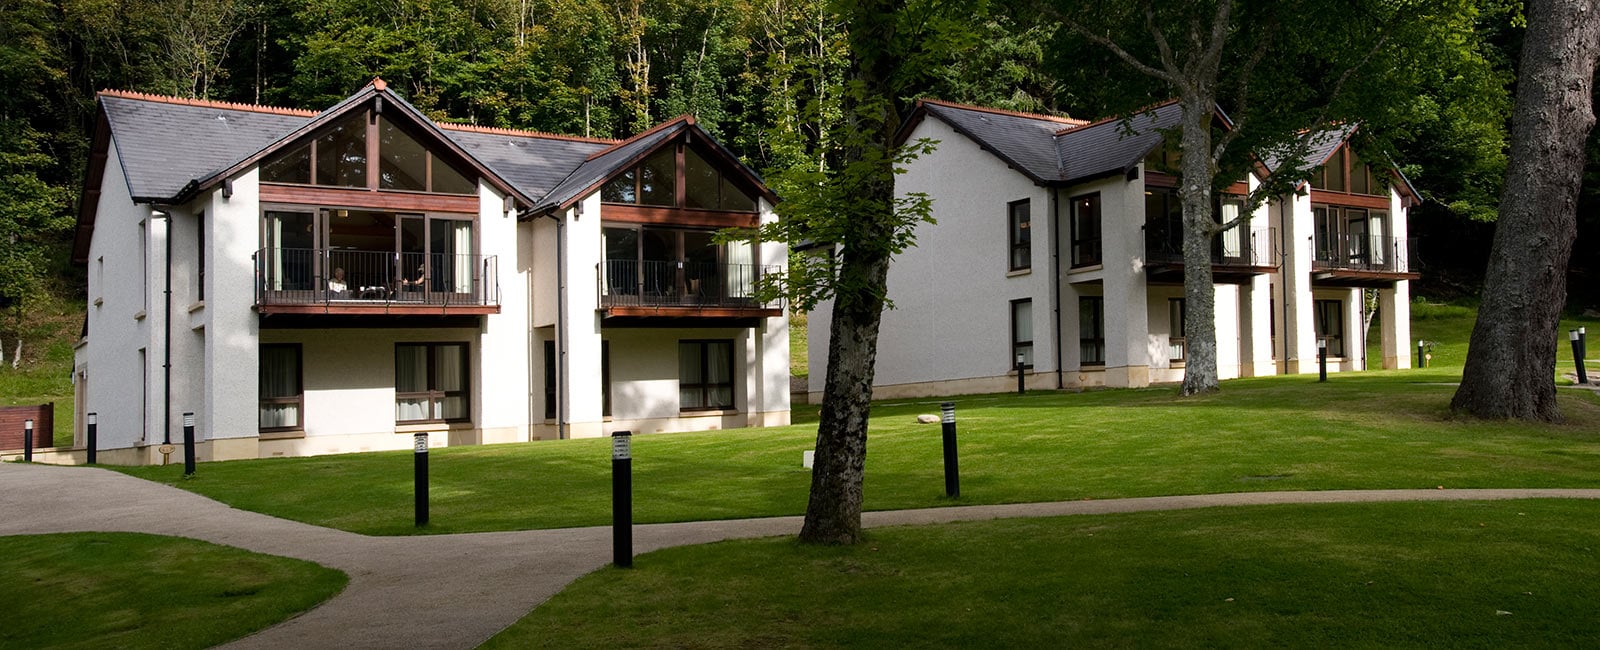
{"points": [[343, 153], [655, 181], [1346, 172], [1086, 230], [1021, 237]]}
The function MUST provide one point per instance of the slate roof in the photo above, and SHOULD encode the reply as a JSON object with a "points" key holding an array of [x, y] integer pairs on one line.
{"points": [[1054, 151], [1323, 144], [165, 145]]}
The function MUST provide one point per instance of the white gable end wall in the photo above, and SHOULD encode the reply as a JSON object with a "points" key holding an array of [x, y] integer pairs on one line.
{"points": [[950, 330]]}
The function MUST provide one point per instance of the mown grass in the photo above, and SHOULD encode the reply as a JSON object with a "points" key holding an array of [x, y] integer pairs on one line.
{"points": [[1468, 575], [1360, 430], [799, 345], [130, 590]]}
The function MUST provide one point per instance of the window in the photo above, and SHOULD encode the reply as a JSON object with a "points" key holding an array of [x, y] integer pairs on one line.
{"points": [[1022, 332], [144, 266], [1092, 330], [430, 382], [605, 378], [1345, 172], [1086, 230], [1021, 237], [200, 256], [282, 394], [654, 182], [705, 375], [341, 153], [549, 380], [1330, 325], [1177, 344]]}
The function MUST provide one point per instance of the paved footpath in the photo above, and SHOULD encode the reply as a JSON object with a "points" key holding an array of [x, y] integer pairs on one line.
{"points": [[456, 591]]}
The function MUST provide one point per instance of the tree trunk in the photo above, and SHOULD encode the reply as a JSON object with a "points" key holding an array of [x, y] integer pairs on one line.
{"points": [[1511, 361], [833, 514], [1199, 227]]}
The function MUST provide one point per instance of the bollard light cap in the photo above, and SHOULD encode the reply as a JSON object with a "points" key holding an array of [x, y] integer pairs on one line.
{"points": [[26, 424], [1572, 335], [93, 417], [188, 419]]}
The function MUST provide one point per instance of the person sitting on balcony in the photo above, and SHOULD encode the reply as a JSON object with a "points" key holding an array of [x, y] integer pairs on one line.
{"points": [[337, 287], [407, 284]]}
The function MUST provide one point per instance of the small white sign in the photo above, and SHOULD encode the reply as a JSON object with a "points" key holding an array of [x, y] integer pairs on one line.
{"points": [[621, 447], [420, 443], [808, 458]]}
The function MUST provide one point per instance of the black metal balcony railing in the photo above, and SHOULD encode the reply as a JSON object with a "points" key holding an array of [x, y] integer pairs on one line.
{"points": [[634, 283], [1347, 252], [1233, 247], [336, 277]]}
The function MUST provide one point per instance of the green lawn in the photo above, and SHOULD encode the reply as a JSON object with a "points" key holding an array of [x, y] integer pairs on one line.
{"points": [[45, 376], [129, 590], [1437, 575], [799, 345]]}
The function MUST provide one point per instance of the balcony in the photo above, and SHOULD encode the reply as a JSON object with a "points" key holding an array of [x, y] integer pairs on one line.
{"points": [[366, 283], [1236, 255], [655, 289], [1355, 260]]}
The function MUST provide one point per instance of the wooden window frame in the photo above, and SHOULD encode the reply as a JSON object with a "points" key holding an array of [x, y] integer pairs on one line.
{"points": [[373, 175], [705, 387], [299, 400], [680, 183], [1176, 338], [1014, 227], [433, 348]]}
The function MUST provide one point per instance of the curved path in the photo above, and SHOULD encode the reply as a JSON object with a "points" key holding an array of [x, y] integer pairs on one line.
{"points": [[455, 591]]}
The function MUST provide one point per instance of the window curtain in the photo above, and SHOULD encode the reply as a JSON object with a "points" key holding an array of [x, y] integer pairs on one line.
{"points": [[690, 379], [411, 376], [1232, 238], [462, 236], [719, 363], [741, 270], [275, 253], [1378, 247], [450, 377], [280, 378]]}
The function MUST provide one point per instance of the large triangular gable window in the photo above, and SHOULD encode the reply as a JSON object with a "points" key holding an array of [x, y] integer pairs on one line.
{"points": [[655, 182], [341, 154]]}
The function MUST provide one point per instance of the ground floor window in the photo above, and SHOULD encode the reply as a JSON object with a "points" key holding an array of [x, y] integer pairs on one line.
{"points": [[549, 380], [1330, 325], [1022, 332], [705, 375], [281, 389], [1092, 330], [430, 382], [605, 378], [1177, 345]]}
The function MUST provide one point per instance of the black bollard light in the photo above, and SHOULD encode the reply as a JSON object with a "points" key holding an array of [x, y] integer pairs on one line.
{"points": [[1583, 342], [91, 429], [622, 498], [1022, 386], [27, 441], [952, 471], [419, 456], [1577, 356], [188, 444], [1421, 362], [1322, 359]]}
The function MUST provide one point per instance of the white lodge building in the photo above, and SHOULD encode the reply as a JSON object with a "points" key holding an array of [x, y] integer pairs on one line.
{"points": [[1060, 241], [322, 282]]}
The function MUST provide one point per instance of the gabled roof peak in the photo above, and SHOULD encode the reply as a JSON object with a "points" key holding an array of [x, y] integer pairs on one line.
{"points": [[686, 119], [207, 103]]}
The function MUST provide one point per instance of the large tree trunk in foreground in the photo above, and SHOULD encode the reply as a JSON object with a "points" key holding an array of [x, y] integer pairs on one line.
{"points": [[1199, 229], [1511, 361], [833, 514]]}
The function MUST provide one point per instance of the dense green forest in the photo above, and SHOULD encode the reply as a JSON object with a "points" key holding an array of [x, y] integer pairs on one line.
{"points": [[765, 76]]}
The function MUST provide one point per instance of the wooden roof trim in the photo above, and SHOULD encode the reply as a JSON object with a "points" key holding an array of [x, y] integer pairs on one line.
{"points": [[685, 119], [688, 123]]}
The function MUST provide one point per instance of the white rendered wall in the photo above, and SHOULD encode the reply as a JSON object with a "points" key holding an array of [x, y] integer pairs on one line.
{"points": [[503, 369], [583, 254], [770, 347], [1121, 277], [952, 292], [118, 323], [232, 344], [1394, 304], [1297, 335]]}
